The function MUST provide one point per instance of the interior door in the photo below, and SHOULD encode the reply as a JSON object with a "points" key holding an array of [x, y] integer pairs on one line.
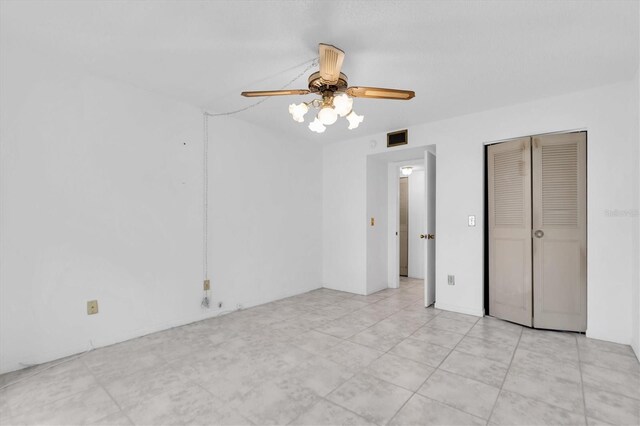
{"points": [[417, 213], [430, 229], [510, 273], [560, 231], [404, 226]]}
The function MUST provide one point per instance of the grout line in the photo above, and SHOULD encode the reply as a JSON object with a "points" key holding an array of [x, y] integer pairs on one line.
{"points": [[323, 398], [504, 379], [455, 408], [436, 369], [99, 382], [356, 371], [584, 400], [554, 406], [361, 370], [219, 400]]}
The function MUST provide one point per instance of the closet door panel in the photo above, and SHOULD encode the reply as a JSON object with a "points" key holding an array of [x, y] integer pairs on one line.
{"points": [[509, 186], [559, 231]]}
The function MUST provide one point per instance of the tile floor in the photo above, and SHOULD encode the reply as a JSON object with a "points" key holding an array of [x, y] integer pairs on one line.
{"points": [[332, 358]]}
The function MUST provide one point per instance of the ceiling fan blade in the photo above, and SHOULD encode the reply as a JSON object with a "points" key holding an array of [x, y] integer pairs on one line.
{"points": [[331, 59], [275, 93], [380, 93]]}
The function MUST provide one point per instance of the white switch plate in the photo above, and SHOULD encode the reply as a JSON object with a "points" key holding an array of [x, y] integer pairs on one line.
{"points": [[472, 221]]}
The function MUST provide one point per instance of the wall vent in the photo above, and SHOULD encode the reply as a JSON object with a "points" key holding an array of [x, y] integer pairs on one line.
{"points": [[401, 137]]}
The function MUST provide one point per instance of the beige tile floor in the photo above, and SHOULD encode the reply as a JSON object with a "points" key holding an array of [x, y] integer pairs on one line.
{"points": [[327, 357]]}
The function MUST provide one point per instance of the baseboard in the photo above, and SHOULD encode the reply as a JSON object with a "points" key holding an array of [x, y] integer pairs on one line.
{"points": [[460, 309]]}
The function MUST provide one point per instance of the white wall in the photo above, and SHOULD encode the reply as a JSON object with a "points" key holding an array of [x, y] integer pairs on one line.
{"points": [[102, 199], [344, 218], [377, 234], [416, 224], [608, 113], [266, 206]]}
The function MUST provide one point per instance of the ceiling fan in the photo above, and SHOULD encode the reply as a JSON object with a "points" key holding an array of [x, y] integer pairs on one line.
{"points": [[336, 94]]}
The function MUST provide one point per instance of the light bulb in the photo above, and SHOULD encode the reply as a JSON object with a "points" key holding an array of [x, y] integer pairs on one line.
{"points": [[342, 104], [298, 111], [327, 115], [316, 126], [406, 171], [354, 120]]}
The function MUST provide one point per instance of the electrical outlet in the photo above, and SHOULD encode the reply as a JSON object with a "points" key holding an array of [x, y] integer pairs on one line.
{"points": [[451, 279], [206, 285], [373, 221], [472, 220], [92, 307]]}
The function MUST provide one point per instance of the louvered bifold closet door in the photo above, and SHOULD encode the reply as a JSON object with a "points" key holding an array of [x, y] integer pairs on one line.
{"points": [[509, 184], [560, 231]]}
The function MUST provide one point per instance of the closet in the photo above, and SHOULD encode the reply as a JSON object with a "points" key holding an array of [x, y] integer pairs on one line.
{"points": [[537, 231]]}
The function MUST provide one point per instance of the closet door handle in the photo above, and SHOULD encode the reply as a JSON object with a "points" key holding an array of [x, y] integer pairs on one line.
{"points": [[539, 233]]}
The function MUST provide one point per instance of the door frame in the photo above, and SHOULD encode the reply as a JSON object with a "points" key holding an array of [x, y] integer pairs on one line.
{"points": [[393, 216]]}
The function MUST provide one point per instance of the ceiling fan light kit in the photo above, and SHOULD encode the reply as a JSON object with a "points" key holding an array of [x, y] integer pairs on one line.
{"points": [[337, 96], [317, 126], [298, 111]]}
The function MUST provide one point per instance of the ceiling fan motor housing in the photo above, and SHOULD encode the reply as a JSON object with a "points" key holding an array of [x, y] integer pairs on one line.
{"points": [[318, 85]]}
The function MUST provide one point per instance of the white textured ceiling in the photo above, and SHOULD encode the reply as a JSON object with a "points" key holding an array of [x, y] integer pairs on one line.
{"points": [[459, 57]]}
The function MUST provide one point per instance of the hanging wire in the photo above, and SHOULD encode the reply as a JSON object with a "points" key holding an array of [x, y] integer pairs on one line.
{"points": [[205, 208], [312, 63]]}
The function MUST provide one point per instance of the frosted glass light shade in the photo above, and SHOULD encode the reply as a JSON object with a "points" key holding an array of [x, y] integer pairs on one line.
{"points": [[342, 104], [354, 120], [298, 111], [327, 115], [406, 171], [316, 126]]}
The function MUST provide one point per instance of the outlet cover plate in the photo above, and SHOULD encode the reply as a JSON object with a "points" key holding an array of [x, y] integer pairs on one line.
{"points": [[206, 285], [92, 307]]}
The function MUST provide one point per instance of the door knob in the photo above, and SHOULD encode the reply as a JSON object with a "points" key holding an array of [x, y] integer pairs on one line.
{"points": [[431, 237], [423, 236], [539, 233]]}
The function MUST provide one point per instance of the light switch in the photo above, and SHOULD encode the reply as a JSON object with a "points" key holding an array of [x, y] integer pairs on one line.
{"points": [[472, 221], [373, 221]]}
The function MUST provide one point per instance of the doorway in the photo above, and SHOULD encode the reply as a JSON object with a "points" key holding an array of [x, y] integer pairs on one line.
{"points": [[384, 180], [412, 220], [411, 211]]}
